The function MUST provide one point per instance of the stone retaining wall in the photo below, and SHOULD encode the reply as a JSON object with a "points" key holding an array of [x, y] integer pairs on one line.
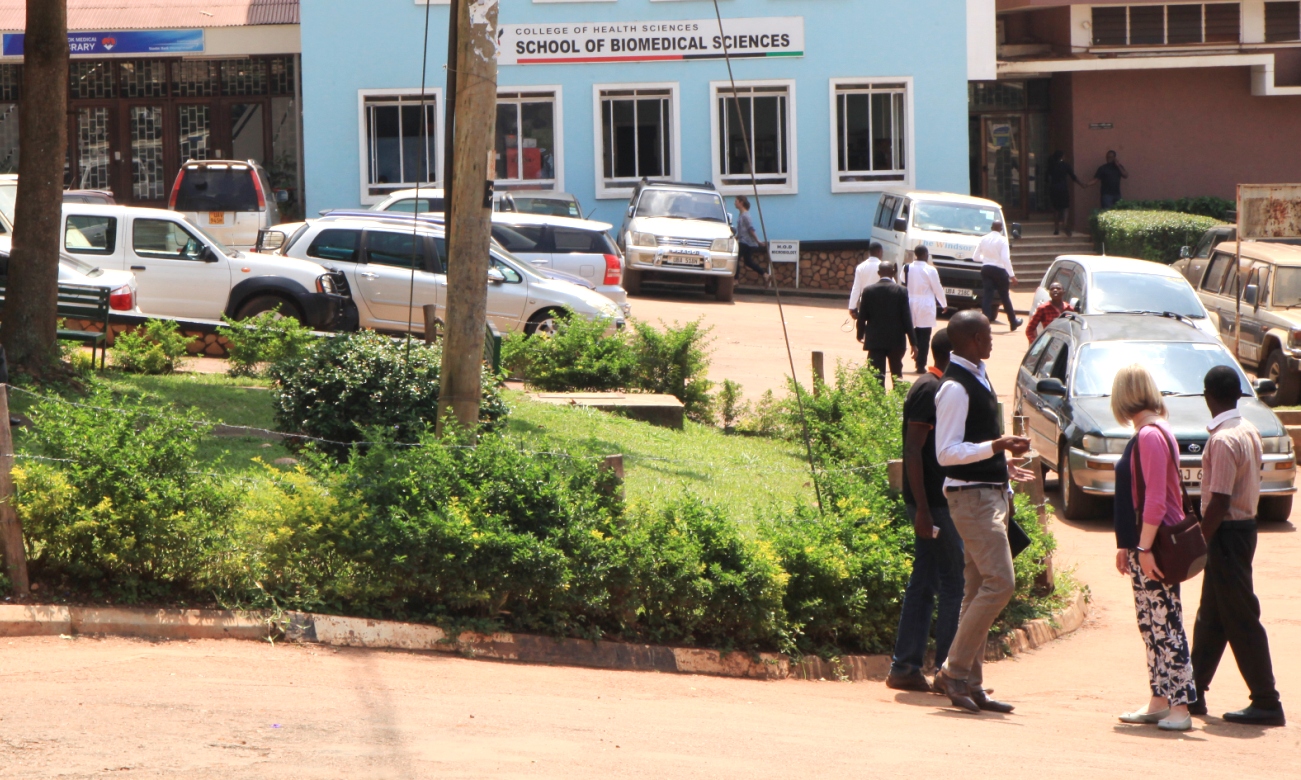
{"points": [[819, 270], [205, 340]]}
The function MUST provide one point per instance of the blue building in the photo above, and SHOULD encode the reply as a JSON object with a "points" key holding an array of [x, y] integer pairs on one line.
{"points": [[842, 99]]}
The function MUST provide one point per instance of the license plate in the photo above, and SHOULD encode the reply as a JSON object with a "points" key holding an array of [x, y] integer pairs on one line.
{"points": [[1192, 476], [216, 217], [676, 259], [958, 291]]}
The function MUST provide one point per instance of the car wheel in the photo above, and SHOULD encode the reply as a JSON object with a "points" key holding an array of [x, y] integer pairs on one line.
{"points": [[1076, 504], [545, 322], [1287, 382], [632, 281], [1274, 509], [264, 303], [724, 290]]}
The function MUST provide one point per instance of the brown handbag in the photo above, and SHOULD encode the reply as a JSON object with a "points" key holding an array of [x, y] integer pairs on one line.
{"points": [[1180, 550]]}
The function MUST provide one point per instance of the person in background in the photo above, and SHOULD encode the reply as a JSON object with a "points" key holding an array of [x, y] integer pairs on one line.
{"points": [[1229, 613], [995, 257], [885, 323], [1136, 400], [748, 240], [937, 553], [969, 447], [1048, 311], [925, 293], [1109, 175], [1060, 176], [865, 276]]}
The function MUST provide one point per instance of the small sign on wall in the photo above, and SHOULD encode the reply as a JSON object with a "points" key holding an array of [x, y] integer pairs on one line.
{"points": [[786, 252], [1101, 126]]}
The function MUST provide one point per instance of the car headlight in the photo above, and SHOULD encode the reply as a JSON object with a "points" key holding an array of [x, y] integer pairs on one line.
{"points": [[1294, 338], [325, 284], [644, 239], [1276, 445], [727, 245], [1102, 444]]}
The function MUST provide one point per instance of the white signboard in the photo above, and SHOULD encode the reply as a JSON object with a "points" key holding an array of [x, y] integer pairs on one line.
{"points": [[699, 39], [784, 251]]}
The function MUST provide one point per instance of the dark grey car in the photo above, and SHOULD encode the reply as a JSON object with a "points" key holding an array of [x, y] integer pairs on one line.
{"points": [[1064, 391]]}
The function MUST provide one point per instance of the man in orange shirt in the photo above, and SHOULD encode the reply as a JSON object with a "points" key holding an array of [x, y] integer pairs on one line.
{"points": [[1048, 311]]}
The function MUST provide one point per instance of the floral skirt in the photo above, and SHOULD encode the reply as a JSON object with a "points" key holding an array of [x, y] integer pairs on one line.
{"points": [[1161, 622]]}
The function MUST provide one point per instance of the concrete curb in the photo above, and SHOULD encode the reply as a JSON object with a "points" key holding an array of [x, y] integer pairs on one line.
{"points": [[336, 631]]}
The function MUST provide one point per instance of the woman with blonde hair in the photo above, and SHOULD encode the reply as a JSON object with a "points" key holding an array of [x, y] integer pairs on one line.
{"points": [[1151, 463]]}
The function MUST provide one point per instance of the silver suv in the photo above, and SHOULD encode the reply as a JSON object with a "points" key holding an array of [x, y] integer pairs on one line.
{"points": [[679, 232]]}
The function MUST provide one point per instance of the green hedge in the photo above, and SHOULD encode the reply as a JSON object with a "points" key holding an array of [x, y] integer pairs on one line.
{"points": [[1206, 206], [1149, 235]]}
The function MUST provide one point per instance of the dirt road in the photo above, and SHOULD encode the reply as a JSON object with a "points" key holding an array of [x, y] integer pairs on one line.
{"points": [[89, 708]]}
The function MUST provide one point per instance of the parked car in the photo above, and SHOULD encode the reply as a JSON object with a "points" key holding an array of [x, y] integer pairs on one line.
{"points": [[577, 247], [431, 199], [947, 224], [184, 272], [231, 199], [9, 197], [1192, 260], [1064, 386], [1101, 284], [1269, 341], [545, 202], [102, 197], [120, 284], [680, 232], [396, 264]]}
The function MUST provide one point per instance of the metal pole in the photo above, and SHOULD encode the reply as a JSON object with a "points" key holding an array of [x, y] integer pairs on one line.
{"points": [[298, 131]]}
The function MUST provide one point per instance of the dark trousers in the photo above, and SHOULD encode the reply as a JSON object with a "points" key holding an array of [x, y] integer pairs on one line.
{"points": [[998, 289], [937, 572], [1230, 615], [747, 258], [922, 340], [879, 358]]}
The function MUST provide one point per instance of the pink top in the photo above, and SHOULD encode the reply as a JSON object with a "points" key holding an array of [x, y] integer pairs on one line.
{"points": [[1164, 501]]}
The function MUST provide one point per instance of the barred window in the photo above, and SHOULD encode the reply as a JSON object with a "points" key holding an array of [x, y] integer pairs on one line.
{"points": [[1160, 25], [872, 133], [760, 114]]}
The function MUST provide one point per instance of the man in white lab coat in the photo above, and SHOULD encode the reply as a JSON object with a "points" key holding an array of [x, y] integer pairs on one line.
{"points": [[925, 293], [865, 275]]}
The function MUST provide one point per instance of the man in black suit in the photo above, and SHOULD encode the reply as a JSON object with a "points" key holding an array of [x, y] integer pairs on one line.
{"points": [[885, 323]]}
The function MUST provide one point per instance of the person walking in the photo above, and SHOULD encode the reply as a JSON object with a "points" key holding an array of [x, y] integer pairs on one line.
{"points": [[973, 454], [1229, 613], [1109, 174], [1060, 176], [1148, 494], [885, 323], [865, 275], [748, 241], [937, 553], [925, 293], [1048, 311], [995, 257]]}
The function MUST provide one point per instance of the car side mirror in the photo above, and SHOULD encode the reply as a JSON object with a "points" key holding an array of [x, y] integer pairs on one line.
{"points": [[1265, 386], [282, 196], [900, 225], [206, 254], [495, 276], [630, 210], [729, 218], [1185, 252], [1249, 295], [1050, 386], [1075, 303], [1016, 230]]}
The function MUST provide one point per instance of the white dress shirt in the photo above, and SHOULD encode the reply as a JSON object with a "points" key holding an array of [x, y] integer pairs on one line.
{"points": [[994, 250], [865, 275], [951, 405], [924, 293]]}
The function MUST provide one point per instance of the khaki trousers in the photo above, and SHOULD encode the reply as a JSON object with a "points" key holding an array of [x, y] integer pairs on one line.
{"points": [[980, 516]]}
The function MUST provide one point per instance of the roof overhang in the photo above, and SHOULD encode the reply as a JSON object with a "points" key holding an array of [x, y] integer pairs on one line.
{"points": [[1261, 64]]}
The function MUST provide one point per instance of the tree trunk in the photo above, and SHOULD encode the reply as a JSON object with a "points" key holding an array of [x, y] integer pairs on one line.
{"points": [[471, 229], [30, 327]]}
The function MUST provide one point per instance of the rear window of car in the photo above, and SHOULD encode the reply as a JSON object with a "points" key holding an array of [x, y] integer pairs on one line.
{"points": [[338, 245], [550, 207], [518, 238], [572, 241], [412, 206], [217, 189]]}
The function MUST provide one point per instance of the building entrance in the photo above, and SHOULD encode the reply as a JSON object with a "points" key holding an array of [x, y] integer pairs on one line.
{"points": [[1009, 144]]}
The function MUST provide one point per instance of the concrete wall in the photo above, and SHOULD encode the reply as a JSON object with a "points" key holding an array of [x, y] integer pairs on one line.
{"points": [[350, 46]]}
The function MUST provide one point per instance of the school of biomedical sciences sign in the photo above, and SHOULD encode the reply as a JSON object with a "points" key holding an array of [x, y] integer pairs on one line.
{"points": [[125, 42], [701, 39]]}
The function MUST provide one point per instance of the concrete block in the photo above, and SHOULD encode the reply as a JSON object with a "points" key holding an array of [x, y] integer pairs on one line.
{"points": [[170, 623], [361, 632], [768, 666], [662, 410], [35, 620]]}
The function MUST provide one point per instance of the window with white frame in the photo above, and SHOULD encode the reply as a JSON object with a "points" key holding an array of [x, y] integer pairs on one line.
{"points": [[754, 132], [636, 135], [527, 140], [1162, 25], [871, 134], [400, 142]]}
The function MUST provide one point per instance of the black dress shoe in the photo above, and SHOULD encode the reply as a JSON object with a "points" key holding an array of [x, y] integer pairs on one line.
{"points": [[1015, 324], [1256, 716], [1198, 707], [987, 704], [916, 681], [958, 692]]}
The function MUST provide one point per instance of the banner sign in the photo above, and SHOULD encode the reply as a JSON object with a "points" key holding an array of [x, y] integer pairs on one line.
{"points": [[126, 42], [1269, 211], [572, 43]]}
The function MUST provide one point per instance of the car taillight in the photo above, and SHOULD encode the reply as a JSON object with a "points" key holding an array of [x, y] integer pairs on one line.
{"points": [[261, 196], [122, 299], [613, 270], [176, 189]]}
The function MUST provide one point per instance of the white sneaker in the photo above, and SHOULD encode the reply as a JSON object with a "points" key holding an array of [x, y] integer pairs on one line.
{"points": [[1144, 717], [1184, 724]]}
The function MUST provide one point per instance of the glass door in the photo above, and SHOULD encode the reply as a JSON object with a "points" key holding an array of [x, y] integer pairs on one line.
{"points": [[147, 175], [95, 147], [248, 131], [1003, 164]]}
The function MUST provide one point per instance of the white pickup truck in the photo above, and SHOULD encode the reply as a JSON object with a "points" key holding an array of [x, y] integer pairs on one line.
{"points": [[185, 273]]}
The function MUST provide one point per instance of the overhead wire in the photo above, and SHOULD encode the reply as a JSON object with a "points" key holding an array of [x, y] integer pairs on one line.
{"points": [[416, 254]]}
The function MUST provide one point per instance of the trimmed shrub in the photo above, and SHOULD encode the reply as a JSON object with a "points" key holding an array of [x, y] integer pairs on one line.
{"points": [[155, 348], [338, 386], [674, 361], [1149, 235], [263, 340], [1205, 206]]}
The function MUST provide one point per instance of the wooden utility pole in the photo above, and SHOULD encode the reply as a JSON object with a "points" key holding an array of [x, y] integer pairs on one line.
{"points": [[11, 529], [470, 224], [30, 327]]}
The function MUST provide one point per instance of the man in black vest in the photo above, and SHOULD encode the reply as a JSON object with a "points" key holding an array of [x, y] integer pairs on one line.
{"points": [[885, 324], [969, 447]]}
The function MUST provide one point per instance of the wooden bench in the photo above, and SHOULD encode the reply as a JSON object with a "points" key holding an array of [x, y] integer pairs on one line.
{"points": [[79, 302]]}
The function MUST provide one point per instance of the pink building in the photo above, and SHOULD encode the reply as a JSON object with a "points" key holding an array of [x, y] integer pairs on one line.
{"points": [[1195, 98]]}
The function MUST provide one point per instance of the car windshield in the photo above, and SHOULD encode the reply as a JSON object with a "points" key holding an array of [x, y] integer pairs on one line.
{"points": [[80, 266], [1178, 367], [1287, 287], [954, 218], [550, 207], [678, 204], [1120, 292]]}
